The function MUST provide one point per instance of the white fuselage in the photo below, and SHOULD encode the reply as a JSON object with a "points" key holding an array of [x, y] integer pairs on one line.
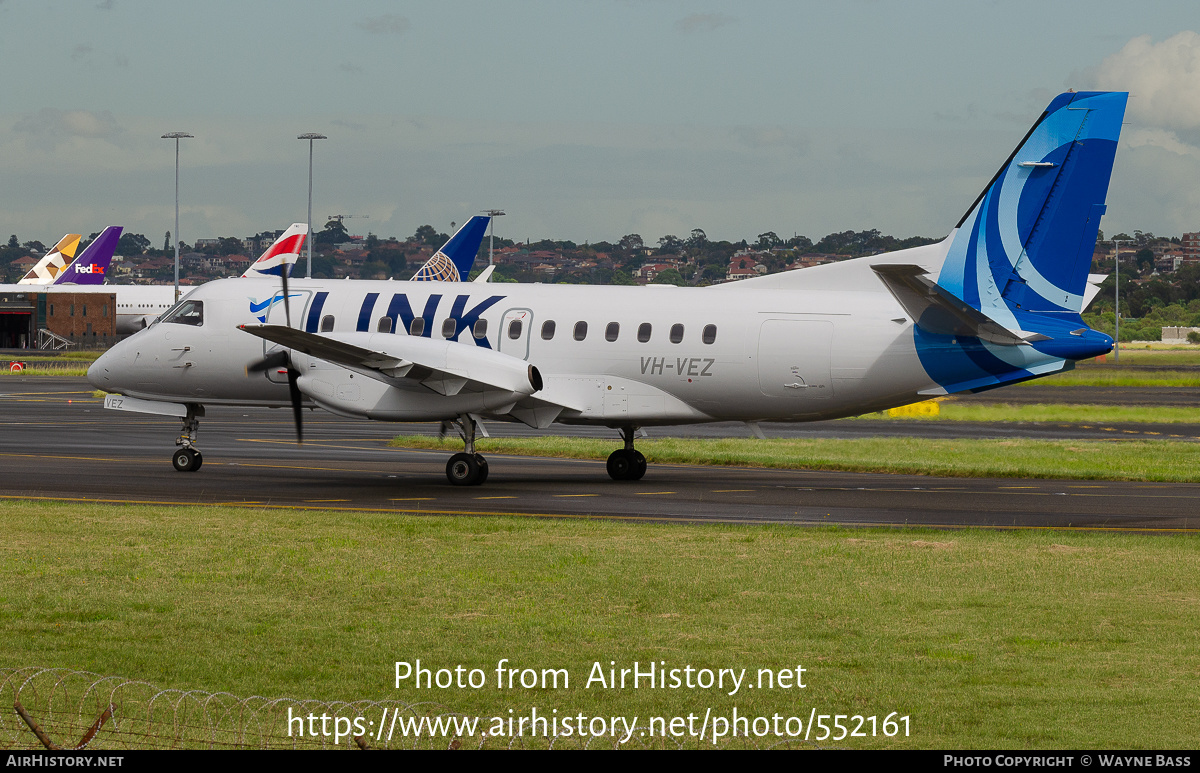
{"points": [[822, 345]]}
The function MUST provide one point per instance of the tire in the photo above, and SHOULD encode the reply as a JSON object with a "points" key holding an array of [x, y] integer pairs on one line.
{"points": [[638, 469], [619, 465], [185, 460], [462, 470], [483, 469]]}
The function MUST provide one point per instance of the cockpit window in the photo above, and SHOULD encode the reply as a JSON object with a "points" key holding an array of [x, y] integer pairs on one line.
{"points": [[186, 313]]}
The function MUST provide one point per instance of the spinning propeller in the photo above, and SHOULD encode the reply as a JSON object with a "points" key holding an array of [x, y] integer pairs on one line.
{"points": [[281, 358]]}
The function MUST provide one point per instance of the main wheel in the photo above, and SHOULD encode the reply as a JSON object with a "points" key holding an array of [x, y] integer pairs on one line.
{"points": [[638, 469], [463, 470], [483, 469], [186, 460], [619, 464]]}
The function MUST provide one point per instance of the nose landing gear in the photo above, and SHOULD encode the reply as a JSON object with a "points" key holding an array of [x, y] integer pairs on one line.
{"points": [[187, 457]]}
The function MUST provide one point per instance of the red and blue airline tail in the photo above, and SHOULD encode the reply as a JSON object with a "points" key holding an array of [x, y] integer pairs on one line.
{"points": [[452, 263], [285, 251], [91, 267]]}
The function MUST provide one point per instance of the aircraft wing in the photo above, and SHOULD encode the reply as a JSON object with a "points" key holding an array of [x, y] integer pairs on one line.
{"points": [[444, 367], [936, 310]]}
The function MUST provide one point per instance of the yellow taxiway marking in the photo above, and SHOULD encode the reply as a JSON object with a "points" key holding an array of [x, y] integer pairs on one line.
{"points": [[289, 467], [653, 493], [495, 497], [1016, 487], [327, 500], [730, 490]]}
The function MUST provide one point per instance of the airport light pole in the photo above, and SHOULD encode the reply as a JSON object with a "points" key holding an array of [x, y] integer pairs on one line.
{"points": [[177, 136], [1117, 299], [310, 136], [493, 214]]}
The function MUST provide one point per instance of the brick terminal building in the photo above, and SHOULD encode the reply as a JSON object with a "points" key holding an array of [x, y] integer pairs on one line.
{"points": [[87, 319]]}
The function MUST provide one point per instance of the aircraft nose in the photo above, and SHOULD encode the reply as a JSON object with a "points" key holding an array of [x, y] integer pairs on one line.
{"points": [[104, 372]]}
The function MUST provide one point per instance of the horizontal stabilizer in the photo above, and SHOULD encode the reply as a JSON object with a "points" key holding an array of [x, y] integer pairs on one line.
{"points": [[935, 310]]}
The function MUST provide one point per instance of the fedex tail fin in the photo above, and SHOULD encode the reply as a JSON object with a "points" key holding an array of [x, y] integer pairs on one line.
{"points": [[452, 263], [91, 267], [49, 267], [1025, 246], [285, 251]]}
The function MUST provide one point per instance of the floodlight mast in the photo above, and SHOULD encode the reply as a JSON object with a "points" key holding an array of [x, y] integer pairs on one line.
{"points": [[310, 136], [1117, 299], [493, 214], [177, 136]]}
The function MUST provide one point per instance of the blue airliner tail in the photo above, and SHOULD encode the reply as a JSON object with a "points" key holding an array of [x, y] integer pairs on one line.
{"points": [[1006, 304], [452, 263], [1026, 243]]}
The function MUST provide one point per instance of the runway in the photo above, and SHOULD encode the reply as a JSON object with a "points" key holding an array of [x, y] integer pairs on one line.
{"points": [[57, 442]]}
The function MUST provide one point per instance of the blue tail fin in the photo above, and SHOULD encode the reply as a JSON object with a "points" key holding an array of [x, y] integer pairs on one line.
{"points": [[452, 263], [1025, 246]]}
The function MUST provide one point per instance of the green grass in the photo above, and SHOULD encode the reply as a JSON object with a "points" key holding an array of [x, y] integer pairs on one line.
{"points": [[950, 410], [1117, 377], [40, 369], [1149, 460], [1026, 639]]}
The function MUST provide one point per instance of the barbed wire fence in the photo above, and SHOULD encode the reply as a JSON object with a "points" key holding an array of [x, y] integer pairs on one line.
{"points": [[53, 708]]}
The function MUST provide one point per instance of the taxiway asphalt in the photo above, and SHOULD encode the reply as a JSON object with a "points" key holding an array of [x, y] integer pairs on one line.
{"points": [[57, 442]]}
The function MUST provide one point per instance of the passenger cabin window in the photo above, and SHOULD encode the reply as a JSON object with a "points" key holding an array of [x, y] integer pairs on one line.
{"points": [[548, 330], [385, 325], [644, 332], [514, 329], [710, 334], [417, 328], [480, 331], [327, 323], [676, 333], [186, 313], [612, 331], [580, 331], [449, 327]]}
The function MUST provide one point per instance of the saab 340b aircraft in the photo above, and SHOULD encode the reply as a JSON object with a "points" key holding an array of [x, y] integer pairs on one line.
{"points": [[996, 303]]}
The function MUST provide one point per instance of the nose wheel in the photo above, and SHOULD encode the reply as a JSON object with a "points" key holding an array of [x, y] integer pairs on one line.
{"points": [[187, 460]]}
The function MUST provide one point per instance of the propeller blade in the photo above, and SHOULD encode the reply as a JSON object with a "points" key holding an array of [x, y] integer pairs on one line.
{"points": [[294, 389], [272, 361], [287, 305]]}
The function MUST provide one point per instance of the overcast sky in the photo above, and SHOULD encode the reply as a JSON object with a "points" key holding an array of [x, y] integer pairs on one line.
{"points": [[583, 120]]}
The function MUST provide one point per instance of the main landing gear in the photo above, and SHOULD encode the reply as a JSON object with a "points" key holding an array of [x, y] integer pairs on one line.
{"points": [[626, 463], [468, 468], [187, 457]]}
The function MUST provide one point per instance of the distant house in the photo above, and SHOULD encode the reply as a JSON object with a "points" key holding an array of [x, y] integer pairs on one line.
{"points": [[1191, 246]]}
